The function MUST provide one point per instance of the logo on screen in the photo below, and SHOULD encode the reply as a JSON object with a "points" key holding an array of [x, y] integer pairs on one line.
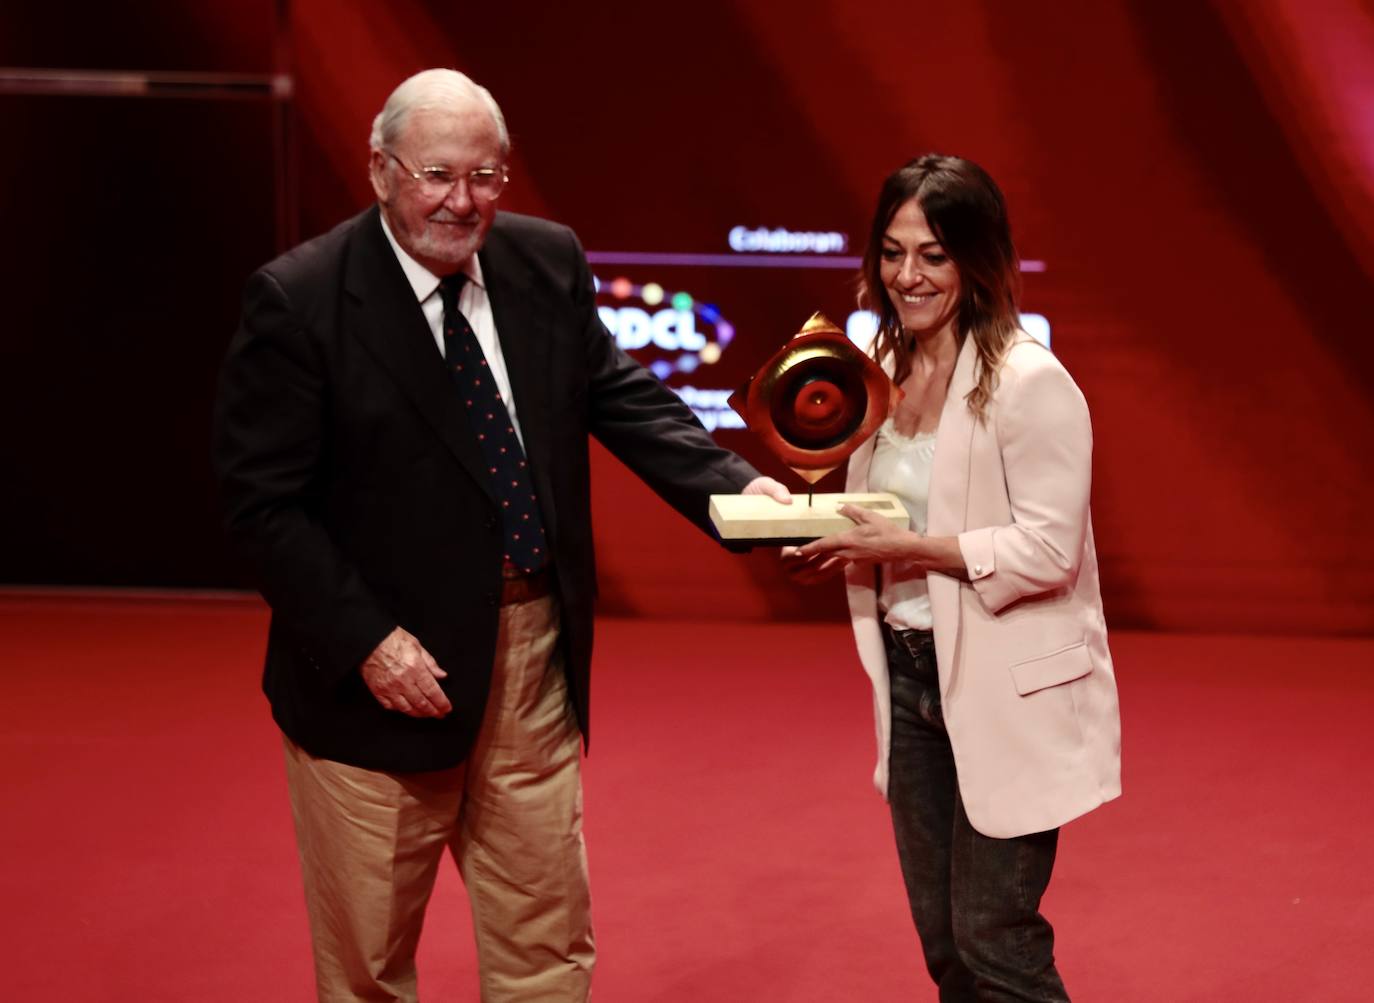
{"points": [[670, 332], [862, 325], [674, 335], [780, 240]]}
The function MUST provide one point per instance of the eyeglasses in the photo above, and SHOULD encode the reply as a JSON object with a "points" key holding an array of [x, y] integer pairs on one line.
{"points": [[484, 184]]}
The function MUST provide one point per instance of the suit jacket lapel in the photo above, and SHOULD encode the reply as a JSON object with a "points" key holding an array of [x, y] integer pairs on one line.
{"points": [[523, 327], [856, 474], [391, 324], [950, 473], [947, 509]]}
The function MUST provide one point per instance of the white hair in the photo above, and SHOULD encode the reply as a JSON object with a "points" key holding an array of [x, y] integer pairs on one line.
{"points": [[430, 89]]}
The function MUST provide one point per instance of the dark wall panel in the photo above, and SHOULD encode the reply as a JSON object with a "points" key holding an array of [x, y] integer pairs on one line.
{"points": [[131, 226], [223, 36]]}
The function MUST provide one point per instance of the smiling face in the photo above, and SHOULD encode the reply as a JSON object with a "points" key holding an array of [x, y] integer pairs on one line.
{"points": [[443, 232], [921, 280]]}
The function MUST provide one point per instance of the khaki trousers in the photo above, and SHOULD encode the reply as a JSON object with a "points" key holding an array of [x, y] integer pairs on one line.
{"points": [[370, 843]]}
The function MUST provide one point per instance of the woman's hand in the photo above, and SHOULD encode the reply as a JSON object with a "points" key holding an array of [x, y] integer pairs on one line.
{"points": [[877, 540], [873, 540], [810, 570]]}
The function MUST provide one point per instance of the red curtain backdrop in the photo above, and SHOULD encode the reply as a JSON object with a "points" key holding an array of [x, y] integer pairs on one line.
{"points": [[1199, 186], [1198, 180]]}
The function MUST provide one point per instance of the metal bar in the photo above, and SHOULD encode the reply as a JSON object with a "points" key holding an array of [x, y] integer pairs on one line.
{"points": [[723, 260], [283, 133], [142, 83], [746, 260]]}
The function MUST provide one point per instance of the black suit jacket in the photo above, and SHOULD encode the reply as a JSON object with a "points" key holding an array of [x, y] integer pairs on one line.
{"points": [[352, 481]]}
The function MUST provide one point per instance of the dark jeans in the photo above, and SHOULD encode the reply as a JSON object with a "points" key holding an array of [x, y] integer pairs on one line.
{"points": [[975, 899]]}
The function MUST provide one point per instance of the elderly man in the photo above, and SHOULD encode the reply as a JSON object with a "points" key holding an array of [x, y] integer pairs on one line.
{"points": [[402, 438]]}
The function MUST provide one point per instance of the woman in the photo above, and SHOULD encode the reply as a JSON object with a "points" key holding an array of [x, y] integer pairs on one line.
{"points": [[981, 627]]}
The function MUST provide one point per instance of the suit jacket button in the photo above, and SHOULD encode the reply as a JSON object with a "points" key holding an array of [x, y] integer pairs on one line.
{"points": [[492, 599]]}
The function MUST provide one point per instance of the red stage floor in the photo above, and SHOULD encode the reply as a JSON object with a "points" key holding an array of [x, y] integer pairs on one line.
{"points": [[737, 850]]}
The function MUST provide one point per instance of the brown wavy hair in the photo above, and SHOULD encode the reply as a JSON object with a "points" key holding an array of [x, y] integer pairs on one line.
{"points": [[965, 210]]}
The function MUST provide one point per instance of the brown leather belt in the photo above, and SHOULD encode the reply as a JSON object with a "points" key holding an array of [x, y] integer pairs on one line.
{"points": [[518, 586]]}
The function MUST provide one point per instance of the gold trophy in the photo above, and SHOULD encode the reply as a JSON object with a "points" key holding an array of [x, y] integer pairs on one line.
{"points": [[813, 403]]}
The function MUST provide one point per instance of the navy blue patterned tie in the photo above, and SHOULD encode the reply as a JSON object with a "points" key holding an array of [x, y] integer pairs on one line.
{"points": [[491, 422]]}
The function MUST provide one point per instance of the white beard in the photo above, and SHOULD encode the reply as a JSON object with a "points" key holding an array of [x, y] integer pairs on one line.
{"points": [[442, 243]]}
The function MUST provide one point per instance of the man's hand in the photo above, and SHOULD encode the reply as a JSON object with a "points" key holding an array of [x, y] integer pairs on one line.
{"points": [[401, 675], [771, 488]]}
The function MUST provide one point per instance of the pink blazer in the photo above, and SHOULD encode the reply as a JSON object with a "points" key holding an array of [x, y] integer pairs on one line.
{"points": [[1026, 679]]}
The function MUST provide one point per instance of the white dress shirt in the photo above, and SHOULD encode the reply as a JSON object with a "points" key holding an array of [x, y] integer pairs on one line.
{"points": [[475, 306]]}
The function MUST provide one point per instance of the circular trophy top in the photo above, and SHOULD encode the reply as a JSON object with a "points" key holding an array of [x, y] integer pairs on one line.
{"points": [[816, 400]]}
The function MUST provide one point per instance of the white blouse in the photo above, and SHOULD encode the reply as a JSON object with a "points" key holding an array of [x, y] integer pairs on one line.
{"points": [[901, 464]]}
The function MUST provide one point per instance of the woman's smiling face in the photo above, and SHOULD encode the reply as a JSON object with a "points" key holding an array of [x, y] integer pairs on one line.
{"points": [[921, 280]]}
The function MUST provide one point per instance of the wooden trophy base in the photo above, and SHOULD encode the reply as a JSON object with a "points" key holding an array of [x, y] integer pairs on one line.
{"points": [[759, 521]]}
